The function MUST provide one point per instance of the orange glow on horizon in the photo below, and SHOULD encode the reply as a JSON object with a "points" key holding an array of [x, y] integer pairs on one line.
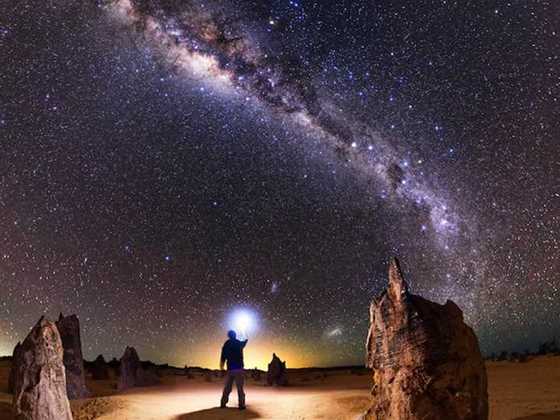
{"points": [[258, 353]]}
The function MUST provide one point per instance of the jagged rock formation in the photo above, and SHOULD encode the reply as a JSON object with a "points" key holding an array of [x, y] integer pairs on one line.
{"points": [[12, 377], [426, 360], [39, 378], [131, 372], [99, 369], [69, 329], [276, 374]]}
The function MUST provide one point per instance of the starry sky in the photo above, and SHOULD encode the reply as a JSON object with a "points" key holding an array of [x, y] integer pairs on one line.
{"points": [[165, 162]]}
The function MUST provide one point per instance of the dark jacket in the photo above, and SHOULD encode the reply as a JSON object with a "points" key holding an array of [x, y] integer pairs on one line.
{"points": [[232, 351]]}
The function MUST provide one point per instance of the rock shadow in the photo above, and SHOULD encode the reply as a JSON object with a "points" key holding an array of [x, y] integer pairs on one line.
{"points": [[218, 413]]}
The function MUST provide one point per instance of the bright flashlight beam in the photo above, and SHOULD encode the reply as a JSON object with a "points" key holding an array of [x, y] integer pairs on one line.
{"points": [[243, 322]]}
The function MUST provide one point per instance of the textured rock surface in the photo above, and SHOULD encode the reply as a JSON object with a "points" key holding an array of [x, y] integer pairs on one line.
{"points": [[39, 379], [131, 372], [12, 377], [426, 360], [99, 368], [69, 329], [276, 374]]}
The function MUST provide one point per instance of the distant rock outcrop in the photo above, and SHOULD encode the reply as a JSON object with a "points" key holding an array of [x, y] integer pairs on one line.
{"points": [[69, 329], [115, 365], [256, 375], [426, 361], [131, 372], [12, 377], [39, 378], [276, 374], [99, 369]]}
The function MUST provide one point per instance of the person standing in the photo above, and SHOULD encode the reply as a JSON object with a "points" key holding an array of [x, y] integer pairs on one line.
{"points": [[232, 353]]}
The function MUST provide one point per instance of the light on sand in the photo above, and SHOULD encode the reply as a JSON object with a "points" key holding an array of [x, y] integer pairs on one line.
{"points": [[244, 322]]}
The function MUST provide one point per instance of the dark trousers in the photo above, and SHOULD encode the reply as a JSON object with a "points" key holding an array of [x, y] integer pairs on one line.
{"points": [[237, 375]]}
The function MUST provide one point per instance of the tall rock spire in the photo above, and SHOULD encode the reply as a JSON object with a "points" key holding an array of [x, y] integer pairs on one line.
{"points": [[397, 285], [39, 379], [426, 361], [69, 329]]}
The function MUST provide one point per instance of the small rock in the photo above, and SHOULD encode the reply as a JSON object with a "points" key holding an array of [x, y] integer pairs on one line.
{"points": [[99, 369], [131, 372], [256, 375], [276, 374]]}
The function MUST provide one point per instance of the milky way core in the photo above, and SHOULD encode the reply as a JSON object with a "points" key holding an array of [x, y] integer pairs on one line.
{"points": [[202, 43]]}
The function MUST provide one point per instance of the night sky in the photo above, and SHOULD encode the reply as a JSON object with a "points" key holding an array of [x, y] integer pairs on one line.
{"points": [[164, 163]]}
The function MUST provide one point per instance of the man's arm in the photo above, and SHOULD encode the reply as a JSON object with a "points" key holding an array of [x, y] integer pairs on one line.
{"points": [[244, 343], [223, 357]]}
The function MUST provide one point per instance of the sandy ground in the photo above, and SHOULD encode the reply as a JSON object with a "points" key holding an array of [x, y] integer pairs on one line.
{"points": [[528, 391], [525, 390]]}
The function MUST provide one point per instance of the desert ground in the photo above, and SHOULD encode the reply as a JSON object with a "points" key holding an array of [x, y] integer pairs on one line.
{"points": [[528, 391]]}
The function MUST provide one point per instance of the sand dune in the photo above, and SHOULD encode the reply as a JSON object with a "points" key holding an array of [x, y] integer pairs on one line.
{"points": [[528, 391]]}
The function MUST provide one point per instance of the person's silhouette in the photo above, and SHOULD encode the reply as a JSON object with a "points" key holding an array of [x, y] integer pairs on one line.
{"points": [[232, 353]]}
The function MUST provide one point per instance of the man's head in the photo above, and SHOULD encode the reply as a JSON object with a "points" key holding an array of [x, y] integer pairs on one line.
{"points": [[231, 334]]}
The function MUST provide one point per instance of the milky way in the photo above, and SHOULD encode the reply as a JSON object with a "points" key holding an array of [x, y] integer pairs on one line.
{"points": [[166, 163], [201, 41]]}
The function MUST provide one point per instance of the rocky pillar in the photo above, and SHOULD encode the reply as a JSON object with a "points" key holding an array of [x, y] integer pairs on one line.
{"points": [[100, 369], [132, 374], [426, 361], [276, 374], [39, 378], [69, 329]]}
